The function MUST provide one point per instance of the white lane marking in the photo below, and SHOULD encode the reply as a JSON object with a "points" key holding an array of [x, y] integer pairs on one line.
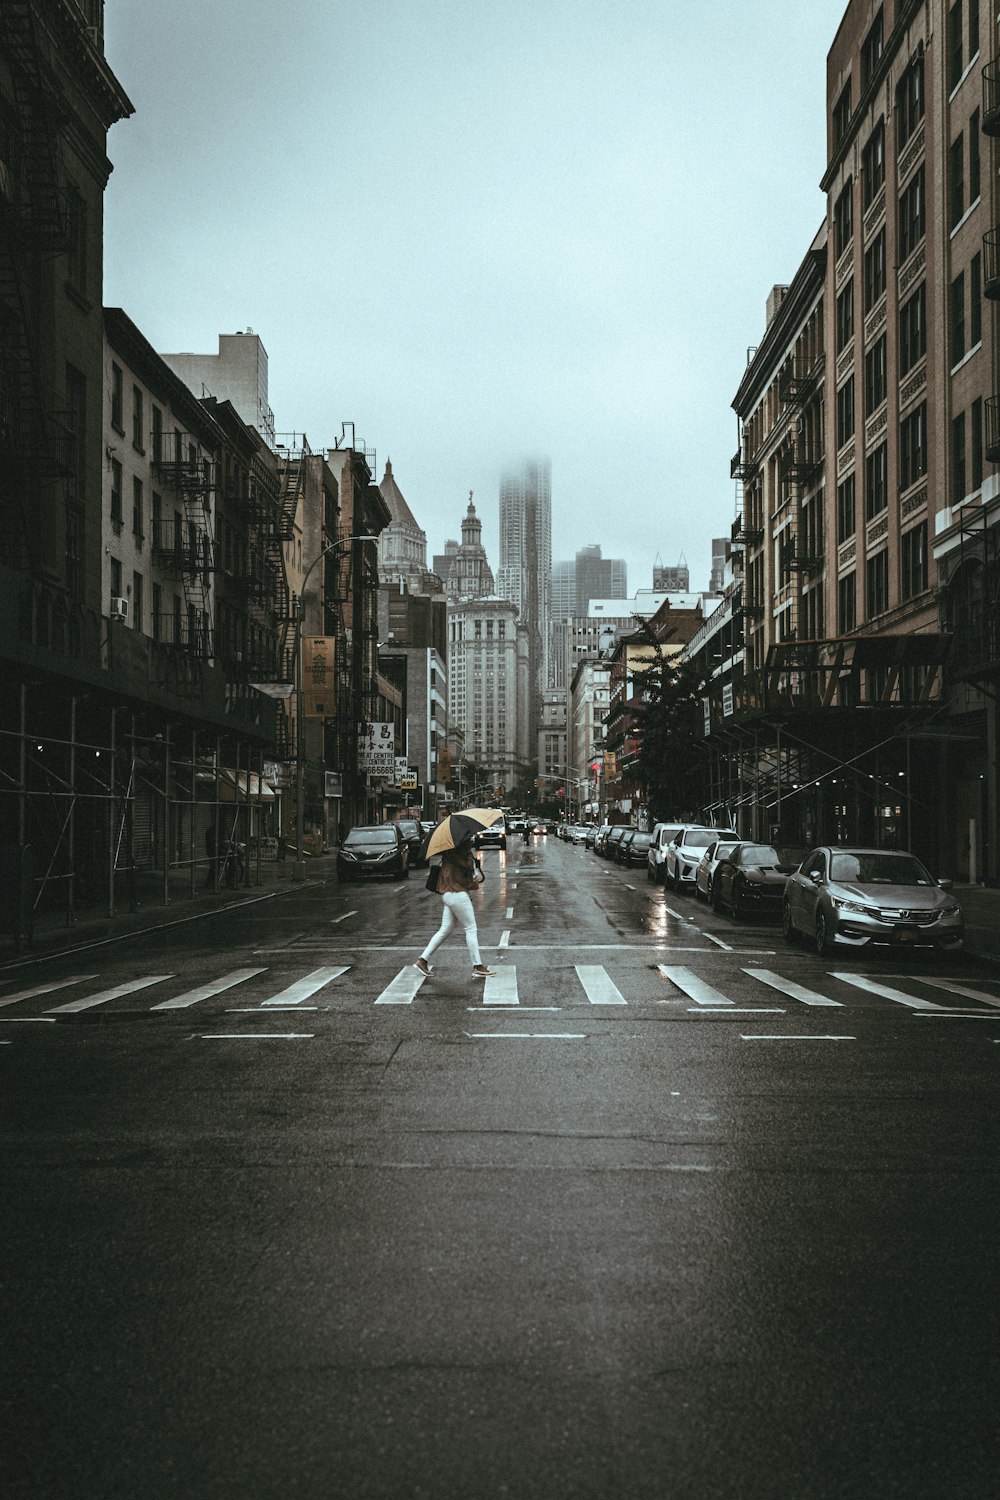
{"points": [[781, 1037], [509, 914], [206, 991], [303, 988], [696, 989], [887, 992], [258, 1036], [521, 1009], [501, 988], [957, 1015], [529, 1036], [735, 1010], [19, 1020], [671, 913], [46, 989], [629, 887], [958, 989], [401, 990], [103, 996], [598, 985], [790, 988], [335, 920], [504, 939], [712, 939], [254, 1010]]}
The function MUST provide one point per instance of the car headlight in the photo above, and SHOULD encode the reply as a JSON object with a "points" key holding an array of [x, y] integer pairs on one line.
{"points": [[951, 911], [855, 906]]}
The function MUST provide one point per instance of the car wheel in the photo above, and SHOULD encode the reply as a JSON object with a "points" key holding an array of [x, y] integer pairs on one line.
{"points": [[788, 927], [714, 898], [822, 946]]}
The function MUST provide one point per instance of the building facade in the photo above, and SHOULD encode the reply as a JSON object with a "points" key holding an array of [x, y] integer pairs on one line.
{"points": [[486, 662], [525, 572]]}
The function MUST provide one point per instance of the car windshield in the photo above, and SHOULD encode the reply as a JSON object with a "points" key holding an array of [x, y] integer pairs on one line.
{"points": [[721, 849], [700, 838], [407, 828], [879, 869], [641, 839], [383, 835]]}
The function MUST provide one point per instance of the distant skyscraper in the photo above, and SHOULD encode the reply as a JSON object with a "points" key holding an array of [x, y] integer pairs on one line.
{"points": [[720, 556], [563, 596], [671, 580], [598, 577], [525, 572], [464, 570]]}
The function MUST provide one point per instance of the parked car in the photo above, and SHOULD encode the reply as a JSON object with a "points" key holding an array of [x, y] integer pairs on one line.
{"points": [[414, 836], [633, 851], [661, 836], [591, 835], [577, 833], [494, 837], [622, 844], [853, 898], [372, 851], [705, 873], [600, 834], [613, 839], [751, 877], [680, 860]]}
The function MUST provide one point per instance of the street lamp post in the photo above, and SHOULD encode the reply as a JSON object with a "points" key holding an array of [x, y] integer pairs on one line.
{"points": [[299, 867]]}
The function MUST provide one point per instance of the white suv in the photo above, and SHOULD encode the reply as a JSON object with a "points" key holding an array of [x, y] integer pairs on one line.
{"points": [[683, 853], [659, 839]]}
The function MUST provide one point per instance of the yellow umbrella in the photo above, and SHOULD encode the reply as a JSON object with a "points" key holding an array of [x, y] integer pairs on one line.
{"points": [[458, 827]]}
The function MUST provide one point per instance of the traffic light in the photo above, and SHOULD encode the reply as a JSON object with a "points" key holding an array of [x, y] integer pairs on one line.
{"points": [[561, 792]]}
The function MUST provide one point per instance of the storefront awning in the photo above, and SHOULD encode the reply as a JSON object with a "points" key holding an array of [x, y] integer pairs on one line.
{"points": [[237, 786]]}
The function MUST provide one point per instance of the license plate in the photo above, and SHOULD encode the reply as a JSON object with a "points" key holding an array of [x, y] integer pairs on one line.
{"points": [[905, 935]]}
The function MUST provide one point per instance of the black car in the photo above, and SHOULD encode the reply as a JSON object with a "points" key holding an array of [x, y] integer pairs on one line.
{"points": [[633, 851], [610, 846], [751, 878], [369, 852], [414, 836]]}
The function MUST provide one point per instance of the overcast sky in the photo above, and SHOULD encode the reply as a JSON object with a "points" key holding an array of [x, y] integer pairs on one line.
{"points": [[479, 230]]}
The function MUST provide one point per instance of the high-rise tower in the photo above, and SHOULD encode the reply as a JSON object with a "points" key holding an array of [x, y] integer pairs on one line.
{"points": [[525, 572]]}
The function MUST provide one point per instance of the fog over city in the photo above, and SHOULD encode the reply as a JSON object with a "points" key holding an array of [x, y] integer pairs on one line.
{"points": [[481, 232]]}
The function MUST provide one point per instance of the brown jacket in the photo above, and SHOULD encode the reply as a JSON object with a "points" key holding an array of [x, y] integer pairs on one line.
{"points": [[458, 871]]}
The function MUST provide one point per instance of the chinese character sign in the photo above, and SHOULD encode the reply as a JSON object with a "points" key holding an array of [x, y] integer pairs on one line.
{"points": [[318, 676], [377, 749]]}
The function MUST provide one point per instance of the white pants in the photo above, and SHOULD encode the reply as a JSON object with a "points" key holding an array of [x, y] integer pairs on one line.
{"points": [[457, 912]]}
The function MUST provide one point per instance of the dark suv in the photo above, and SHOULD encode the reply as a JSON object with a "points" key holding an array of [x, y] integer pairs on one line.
{"points": [[414, 836], [379, 849]]}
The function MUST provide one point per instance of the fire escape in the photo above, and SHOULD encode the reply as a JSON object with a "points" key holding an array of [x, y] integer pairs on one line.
{"points": [[183, 544], [34, 224]]}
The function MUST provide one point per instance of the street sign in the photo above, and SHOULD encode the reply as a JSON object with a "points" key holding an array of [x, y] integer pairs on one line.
{"points": [[377, 749]]}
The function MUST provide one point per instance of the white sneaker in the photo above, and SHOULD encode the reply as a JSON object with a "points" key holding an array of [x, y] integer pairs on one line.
{"points": [[423, 966], [482, 972]]}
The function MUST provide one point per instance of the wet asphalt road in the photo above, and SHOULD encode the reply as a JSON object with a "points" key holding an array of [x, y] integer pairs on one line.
{"points": [[669, 1210]]}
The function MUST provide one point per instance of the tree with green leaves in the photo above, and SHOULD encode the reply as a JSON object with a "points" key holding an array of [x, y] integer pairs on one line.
{"points": [[673, 762]]}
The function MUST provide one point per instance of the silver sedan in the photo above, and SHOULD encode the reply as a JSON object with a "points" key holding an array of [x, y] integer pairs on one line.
{"points": [[706, 867], [852, 898]]}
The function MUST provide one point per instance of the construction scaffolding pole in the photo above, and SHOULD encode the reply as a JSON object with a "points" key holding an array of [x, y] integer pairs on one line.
{"points": [[112, 842]]}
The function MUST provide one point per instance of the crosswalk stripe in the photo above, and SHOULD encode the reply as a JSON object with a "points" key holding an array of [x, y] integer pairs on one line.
{"points": [[598, 985], [887, 992], [303, 988], [46, 989], [501, 988], [696, 989], [206, 991], [403, 988], [790, 988], [963, 990], [102, 996]]}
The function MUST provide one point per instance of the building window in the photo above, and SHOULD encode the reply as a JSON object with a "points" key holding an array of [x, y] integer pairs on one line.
{"points": [[875, 376], [973, 28], [846, 604], [871, 51], [876, 481], [954, 45], [117, 398], [157, 435], [845, 316], [137, 516], [956, 181], [117, 514], [845, 412], [877, 585], [875, 270], [137, 602], [958, 490], [842, 115], [975, 164], [913, 550], [976, 300], [843, 219], [137, 433], [913, 329], [913, 447], [976, 423], [911, 214], [910, 99], [873, 164], [846, 522], [116, 578], [956, 318]]}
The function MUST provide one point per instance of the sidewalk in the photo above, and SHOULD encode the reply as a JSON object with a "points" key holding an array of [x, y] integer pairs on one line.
{"points": [[93, 925]]}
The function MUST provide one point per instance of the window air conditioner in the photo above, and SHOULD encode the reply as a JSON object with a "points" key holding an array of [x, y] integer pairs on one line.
{"points": [[119, 608]]}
